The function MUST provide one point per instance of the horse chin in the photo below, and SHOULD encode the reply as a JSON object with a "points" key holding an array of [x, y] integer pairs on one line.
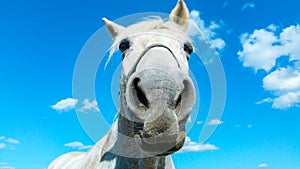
{"points": [[160, 149], [172, 150]]}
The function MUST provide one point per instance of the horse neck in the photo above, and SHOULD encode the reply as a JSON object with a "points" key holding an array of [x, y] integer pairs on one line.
{"points": [[140, 162]]}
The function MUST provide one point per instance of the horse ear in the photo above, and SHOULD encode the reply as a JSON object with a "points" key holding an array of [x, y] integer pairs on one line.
{"points": [[113, 28], [180, 15]]}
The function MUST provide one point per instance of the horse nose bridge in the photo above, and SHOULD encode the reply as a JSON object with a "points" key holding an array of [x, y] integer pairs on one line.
{"points": [[156, 78], [159, 57]]}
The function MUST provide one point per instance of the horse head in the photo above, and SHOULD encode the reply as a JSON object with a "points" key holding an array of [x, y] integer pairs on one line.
{"points": [[157, 93]]}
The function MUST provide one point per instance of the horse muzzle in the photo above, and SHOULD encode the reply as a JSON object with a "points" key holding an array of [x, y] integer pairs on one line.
{"points": [[160, 103]]}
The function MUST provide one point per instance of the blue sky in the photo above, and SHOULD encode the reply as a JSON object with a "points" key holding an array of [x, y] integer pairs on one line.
{"points": [[258, 42]]}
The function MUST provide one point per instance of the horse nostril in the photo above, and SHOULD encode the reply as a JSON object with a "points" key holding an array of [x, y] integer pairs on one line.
{"points": [[178, 101], [140, 93]]}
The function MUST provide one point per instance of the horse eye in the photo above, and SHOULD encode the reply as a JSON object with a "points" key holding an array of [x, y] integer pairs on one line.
{"points": [[124, 45], [188, 48]]}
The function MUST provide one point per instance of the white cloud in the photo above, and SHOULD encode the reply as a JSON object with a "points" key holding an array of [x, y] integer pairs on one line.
{"points": [[89, 106], [290, 38], [248, 5], [7, 143], [272, 28], [215, 122], [284, 83], [190, 146], [243, 126], [3, 145], [70, 103], [287, 100], [6, 167], [282, 79], [219, 43], [225, 4], [266, 100], [262, 50], [237, 126], [12, 141], [209, 31], [77, 145], [263, 165], [199, 122], [259, 51], [65, 105]]}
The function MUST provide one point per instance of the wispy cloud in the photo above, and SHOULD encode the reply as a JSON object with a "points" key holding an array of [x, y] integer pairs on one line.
{"points": [[199, 122], [263, 165], [263, 50], [65, 105], [210, 30], [12, 141], [77, 145], [215, 122], [4, 165], [225, 4], [70, 103], [243, 126], [266, 100], [237, 126], [2, 145], [190, 146], [248, 5], [89, 106], [8, 142]]}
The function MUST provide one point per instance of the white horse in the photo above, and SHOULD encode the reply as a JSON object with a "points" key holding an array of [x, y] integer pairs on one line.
{"points": [[156, 97]]}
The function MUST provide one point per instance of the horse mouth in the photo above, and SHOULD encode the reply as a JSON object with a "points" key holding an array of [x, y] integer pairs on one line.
{"points": [[157, 147], [161, 149]]}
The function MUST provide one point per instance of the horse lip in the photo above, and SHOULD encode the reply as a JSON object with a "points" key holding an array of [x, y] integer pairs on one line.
{"points": [[160, 152], [150, 147], [160, 138]]}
